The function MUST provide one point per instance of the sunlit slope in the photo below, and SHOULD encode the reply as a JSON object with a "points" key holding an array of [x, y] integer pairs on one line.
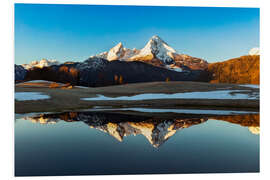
{"points": [[242, 70]]}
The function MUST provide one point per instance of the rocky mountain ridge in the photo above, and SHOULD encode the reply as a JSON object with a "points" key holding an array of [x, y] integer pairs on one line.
{"points": [[96, 72], [156, 52], [157, 61]]}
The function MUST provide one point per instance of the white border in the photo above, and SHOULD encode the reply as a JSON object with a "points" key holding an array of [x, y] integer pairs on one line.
{"points": [[7, 104], [208, 3]]}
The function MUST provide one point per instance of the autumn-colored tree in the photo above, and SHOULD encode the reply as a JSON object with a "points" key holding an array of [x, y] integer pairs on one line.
{"points": [[242, 70], [167, 79], [73, 114], [54, 85], [63, 69], [116, 78], [120, 79], [74, 72]]}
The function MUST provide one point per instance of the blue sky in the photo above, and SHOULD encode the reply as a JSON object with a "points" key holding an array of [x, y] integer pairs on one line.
{"points": [[75, 32]]}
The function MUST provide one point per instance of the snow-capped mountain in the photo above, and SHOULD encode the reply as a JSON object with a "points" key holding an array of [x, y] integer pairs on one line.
{"points": [[254, 51], [118, 52], [157, 61], [156, 52], [156, 48], [40, 64]]}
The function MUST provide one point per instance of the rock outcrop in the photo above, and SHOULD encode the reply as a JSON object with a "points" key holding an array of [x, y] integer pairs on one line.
{"points": [[20, 73]]}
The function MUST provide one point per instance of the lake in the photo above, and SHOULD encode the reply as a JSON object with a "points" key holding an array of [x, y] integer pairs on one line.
{"points": [[133, 142]]}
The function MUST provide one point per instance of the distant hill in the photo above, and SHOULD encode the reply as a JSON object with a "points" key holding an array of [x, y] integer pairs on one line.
{"points": [[96, 72], [242, 70]]}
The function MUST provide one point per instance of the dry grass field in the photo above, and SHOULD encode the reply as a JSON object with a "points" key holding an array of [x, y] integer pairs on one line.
{"points": [[64, 99]]}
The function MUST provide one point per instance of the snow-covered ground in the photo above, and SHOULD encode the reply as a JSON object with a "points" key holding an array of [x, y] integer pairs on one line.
{"points": [[182, 111], [189, 111], [25, 96], [225, 94], [39, 81], [250, 85], [82, 87]]}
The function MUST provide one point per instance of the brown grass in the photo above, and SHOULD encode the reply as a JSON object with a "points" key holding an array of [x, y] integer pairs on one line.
{"points": [[54, 85]]}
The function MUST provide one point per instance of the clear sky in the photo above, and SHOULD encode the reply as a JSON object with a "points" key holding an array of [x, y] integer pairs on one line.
{"points": [[75, 32]]}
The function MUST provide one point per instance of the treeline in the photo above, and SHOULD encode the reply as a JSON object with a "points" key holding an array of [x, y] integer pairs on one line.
{"points": [[62, 74]]}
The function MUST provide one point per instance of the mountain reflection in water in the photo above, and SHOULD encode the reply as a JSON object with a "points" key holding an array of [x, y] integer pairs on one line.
{"points": [[155, 127]]}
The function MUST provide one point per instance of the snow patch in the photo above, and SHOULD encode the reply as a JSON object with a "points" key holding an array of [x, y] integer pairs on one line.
{"points": [[40, 81], [180, 111], [188, 111], [26, 96], [82, 87], [174, 68], [250, 85], [226, 94]]}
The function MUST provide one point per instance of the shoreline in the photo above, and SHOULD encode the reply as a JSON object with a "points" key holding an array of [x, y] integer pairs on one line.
{"points": [[71, 99]]}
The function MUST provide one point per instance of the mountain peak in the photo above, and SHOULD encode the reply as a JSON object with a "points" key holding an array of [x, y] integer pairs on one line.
{"points": [[120, 44], [117, 46], [156, 47], [155, 37], [116, 52], [156, 52]]}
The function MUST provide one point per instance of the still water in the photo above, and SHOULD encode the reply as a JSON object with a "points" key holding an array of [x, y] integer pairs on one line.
{"points": [[90, 143]]}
